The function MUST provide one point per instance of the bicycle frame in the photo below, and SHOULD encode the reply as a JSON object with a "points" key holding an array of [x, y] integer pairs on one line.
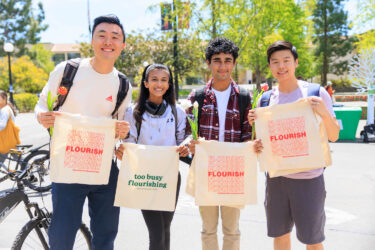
{"points": [[9, 200]]}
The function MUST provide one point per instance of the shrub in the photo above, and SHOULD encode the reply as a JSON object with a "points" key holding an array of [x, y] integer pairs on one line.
{"points": [[135, 93], [25, 102]]}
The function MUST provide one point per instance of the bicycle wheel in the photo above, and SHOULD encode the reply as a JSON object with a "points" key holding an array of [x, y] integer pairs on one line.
{"points": [[39, 179], [28, 237]]}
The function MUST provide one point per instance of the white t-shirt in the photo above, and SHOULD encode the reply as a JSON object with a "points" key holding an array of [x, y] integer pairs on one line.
{"points": [[157, 130], [222, 98], [92, 94]]}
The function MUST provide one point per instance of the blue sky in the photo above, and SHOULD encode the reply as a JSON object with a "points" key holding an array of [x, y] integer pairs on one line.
{"points": [[68, 22]]}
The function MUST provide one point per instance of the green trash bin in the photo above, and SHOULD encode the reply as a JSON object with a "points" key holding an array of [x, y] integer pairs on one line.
{"points": [[348, 118]]}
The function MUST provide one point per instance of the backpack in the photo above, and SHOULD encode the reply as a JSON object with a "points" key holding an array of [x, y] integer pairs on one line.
{"points": [[312, 90], [244, 101], [70, 71]]}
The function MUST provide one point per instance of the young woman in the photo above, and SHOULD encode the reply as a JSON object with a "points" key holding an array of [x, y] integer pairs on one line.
{"points": [[153, 122], [6, 112]]}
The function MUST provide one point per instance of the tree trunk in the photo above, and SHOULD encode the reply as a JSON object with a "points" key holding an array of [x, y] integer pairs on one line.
{"points": [[325, 41], [213, 18], [258, 77]]}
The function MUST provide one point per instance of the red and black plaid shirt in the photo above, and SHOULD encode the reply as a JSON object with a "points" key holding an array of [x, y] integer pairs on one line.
{"points": [[209, 120]]}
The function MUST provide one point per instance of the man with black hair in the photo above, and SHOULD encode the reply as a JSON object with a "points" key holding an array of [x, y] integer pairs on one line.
{"points": [[220, 120], [296, 199], [94, 92]]}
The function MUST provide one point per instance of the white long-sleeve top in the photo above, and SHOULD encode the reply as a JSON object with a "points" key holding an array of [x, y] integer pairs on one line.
{"points": [[4, 116], [157, 130], [92, 94]]}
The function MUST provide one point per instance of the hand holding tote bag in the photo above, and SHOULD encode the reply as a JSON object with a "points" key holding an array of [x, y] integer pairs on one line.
{"points": [[9, 136], [82, 149], [223, 173], [148, 177], [293, 139]]}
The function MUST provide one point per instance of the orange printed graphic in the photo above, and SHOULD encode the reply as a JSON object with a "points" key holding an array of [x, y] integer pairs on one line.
{"points": [[84, 151], [288, 137], [226, 174]]}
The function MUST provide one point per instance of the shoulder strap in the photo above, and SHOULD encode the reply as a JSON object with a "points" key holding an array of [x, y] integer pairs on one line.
{"points": [[70, 71], [265, 98], [199, 97], [138, 126], [174, 112], [313, 89], [122, 91], [244, 101]]}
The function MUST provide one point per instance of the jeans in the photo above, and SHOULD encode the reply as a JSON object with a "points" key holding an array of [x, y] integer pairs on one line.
{"points": [[68, 200]]}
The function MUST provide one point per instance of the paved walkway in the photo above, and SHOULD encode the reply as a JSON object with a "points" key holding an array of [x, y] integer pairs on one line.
{"points": [[350, 205]]}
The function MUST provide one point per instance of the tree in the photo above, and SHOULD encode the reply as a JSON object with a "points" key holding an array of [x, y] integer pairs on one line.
{"points": [[254, 25], [331, 37], [27, 77], [365, 18], [19, 24], [41, 57]]}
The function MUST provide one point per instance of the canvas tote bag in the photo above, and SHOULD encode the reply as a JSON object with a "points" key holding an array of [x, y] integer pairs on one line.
{"points": [[223, 173], [9, 136], [148, 177], [294, 140], [82, 149]]}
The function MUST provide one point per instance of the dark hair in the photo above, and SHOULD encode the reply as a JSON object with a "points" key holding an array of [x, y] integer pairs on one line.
{"points": [[281, 45], [108, 19], [221, 45], [144, 93], [4, 95]]}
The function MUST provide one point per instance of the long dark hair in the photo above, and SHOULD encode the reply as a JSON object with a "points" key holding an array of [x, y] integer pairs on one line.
{"points": [[144, 93], [4, 95]]}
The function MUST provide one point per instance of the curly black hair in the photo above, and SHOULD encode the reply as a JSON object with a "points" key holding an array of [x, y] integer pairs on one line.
{"points": [[221, 45]]}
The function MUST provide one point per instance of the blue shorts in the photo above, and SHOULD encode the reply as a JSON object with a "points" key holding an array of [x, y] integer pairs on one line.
{"points": [[296, 201]]}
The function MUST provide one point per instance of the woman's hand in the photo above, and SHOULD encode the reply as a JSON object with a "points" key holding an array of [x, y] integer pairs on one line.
{"points": [[120, 152], [251, 116], [258, 146], [183, 150]]}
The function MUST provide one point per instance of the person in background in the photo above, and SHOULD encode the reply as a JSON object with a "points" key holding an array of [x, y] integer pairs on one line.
{"points": [[7, 112]]}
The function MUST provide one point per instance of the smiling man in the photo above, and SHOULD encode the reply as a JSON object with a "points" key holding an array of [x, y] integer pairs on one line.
{"points": [[98, 90], [296, 199], [220, 120]]}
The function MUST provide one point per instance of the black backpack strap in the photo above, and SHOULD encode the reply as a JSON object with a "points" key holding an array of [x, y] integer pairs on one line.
{"points": [[122, 91], [265, 98], [199, 97], [138, 126], [244, 101], [313, 89], [70, 72], [174, 112]]}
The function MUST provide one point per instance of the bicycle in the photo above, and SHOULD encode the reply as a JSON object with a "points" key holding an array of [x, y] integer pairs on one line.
{"points": [[23, 155], [33, 234]]}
